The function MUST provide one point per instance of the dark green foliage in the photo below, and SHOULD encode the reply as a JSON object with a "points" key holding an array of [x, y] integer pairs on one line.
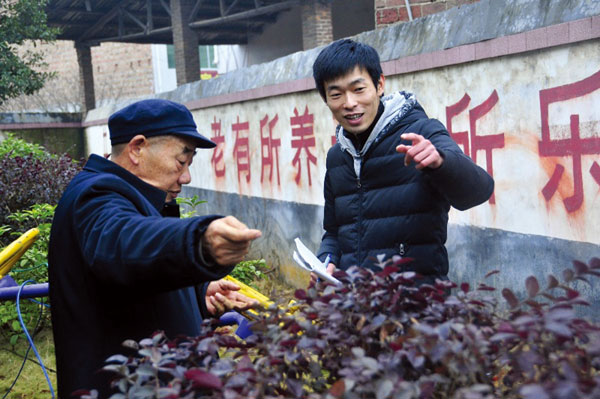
{"points": [[32, 266], [31, 183], [251, 271], [22, 21], [15, 147], [380, 336], [189, 206]]}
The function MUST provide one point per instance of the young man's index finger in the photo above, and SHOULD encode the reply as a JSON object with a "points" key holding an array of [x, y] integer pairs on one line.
{"points": [[413, 137]]}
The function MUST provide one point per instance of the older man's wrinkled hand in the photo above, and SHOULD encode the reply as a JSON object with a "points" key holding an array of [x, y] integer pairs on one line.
{"points": [[223, 296], [227, 240]]}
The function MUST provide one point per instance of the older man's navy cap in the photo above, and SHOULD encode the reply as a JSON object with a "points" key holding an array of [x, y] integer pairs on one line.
{"points": [[155, 117]]}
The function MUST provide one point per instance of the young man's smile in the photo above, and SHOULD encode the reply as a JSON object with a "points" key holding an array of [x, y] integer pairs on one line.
{"points": [[354, 119]]}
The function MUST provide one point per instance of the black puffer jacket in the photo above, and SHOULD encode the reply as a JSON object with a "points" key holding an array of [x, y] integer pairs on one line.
{"points": [[376, 206]]}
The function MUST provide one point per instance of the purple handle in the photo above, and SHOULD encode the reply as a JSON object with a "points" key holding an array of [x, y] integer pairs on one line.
{"points": [[243, 329], [29, 291]]}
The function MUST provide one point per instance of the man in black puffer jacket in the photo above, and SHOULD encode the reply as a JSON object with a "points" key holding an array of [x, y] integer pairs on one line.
{"points": [[393, 174]]}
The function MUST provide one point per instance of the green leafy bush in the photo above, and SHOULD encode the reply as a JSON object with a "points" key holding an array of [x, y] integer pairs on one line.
{"points": [[16, 147], [189, 203], [39, 215], [379, 335], [31, 183], [23, 21], [251, 271], [33, 266]]}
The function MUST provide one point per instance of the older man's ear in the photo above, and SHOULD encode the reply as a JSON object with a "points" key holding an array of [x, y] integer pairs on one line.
{"points": [[135, 148]]}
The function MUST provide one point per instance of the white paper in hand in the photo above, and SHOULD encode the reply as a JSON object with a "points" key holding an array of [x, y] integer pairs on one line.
{"points": [[307, 260]]}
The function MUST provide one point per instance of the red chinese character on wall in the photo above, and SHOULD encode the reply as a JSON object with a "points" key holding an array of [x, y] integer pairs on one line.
{"points": [[241, 149], [303, 138], [471, 141], [575, 146], [217, 157], [269, 148]]}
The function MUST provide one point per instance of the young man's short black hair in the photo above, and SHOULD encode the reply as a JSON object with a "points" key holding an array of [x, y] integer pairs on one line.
{"points": [[341, 57]]}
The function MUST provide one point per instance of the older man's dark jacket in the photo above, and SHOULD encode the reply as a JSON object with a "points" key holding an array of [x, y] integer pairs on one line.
{"points": [[377, 207], [119, 270]]}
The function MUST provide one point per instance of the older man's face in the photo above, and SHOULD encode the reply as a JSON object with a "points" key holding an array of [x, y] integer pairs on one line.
{"points": [[166, 164]]}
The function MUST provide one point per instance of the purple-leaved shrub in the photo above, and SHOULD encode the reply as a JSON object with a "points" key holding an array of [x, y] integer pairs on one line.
{"points": [[32, 179], [379, 335]]}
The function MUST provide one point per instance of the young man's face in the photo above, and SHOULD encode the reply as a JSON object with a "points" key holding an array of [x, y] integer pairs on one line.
{"points": [[353, 99], [166, 164]]}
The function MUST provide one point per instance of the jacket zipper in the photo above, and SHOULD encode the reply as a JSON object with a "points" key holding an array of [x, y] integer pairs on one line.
{"points": [[360, 216], [401, 250]]}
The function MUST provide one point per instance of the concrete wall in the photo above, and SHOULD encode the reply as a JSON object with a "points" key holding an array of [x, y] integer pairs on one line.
{"points": [[516, 87]]}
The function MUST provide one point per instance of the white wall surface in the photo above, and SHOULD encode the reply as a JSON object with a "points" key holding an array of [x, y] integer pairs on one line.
{"points": [[525, 201]]}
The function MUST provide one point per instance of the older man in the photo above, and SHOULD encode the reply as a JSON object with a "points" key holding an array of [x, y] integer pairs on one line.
{"points": [[120, 266]]}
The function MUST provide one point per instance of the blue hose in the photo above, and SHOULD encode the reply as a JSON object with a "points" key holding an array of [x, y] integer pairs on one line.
{"points": [[31, 344]]}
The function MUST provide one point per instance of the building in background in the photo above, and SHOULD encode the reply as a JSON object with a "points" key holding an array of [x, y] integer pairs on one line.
{"points": [[214, 60], [124, 71], [515, 82]]}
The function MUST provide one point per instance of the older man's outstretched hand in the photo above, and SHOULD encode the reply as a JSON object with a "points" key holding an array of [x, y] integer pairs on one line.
{"points": [[228, 240], [223, 296]]}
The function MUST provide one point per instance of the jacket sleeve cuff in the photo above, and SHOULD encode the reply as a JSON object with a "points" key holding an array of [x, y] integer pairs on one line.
{"points": [[332, 258], [212, 269], [205, 258], [446, 170]]}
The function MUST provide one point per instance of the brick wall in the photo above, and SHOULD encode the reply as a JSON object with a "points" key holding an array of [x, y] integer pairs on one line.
{"points": [[316, 24], [121, 70], [389, 12]]}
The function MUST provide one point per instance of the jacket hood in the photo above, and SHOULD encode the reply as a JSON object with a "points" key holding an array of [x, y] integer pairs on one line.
{"points": [[396, 106]]}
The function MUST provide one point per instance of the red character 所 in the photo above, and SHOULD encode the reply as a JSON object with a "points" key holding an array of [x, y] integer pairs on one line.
{"points": [[471, 141], [269, 148]]}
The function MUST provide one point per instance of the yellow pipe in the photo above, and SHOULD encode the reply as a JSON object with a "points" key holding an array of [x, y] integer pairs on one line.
{"points": [[250, 292], [16, 249]]}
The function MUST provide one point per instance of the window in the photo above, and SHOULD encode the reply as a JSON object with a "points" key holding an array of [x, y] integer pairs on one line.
{"points": [[207, 57], [171, 56]]}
